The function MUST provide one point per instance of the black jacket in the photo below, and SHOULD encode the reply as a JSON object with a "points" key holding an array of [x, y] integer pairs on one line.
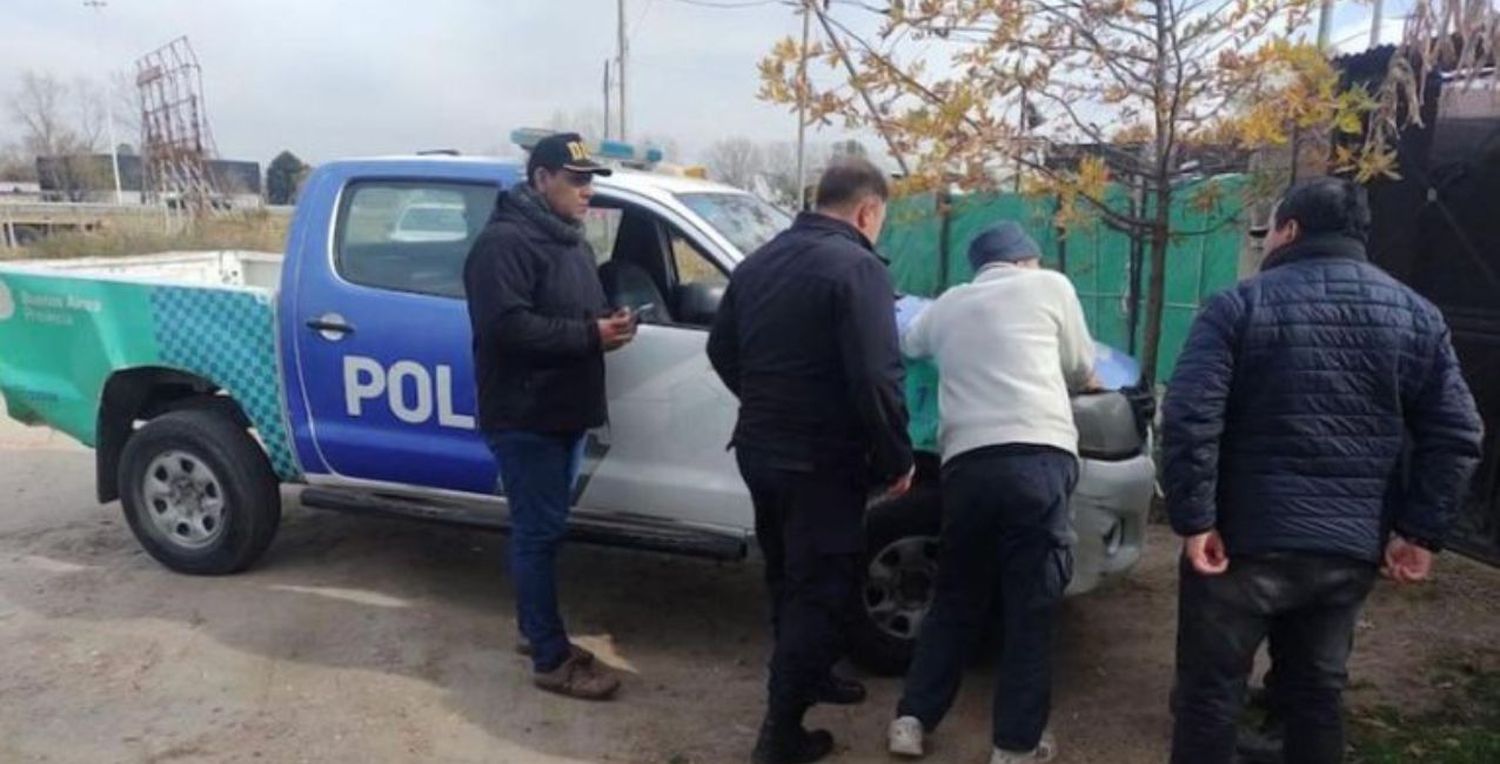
{"points": [[534, 299], [806, 338], [1293, 402]]}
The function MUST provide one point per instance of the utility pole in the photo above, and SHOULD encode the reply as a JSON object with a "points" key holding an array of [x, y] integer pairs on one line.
{"points": [[1325, 25], [802, 109], [1375, 23], [607, 86], [624, 51], [109, 111]]}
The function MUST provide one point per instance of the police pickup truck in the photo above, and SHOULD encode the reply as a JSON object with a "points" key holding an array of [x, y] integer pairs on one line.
{"points": [[206, 381]]}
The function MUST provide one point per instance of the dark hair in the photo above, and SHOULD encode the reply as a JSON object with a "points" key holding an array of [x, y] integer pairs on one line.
{"points": [[848, 181], [1327, 205]]}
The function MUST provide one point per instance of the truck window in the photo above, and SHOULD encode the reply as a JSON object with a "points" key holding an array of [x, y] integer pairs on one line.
{"points": [[692, 266], [601, 227], [410, 236]]}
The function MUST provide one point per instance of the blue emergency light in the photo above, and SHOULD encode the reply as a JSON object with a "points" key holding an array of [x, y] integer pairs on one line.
{"points": [[617, 151]]}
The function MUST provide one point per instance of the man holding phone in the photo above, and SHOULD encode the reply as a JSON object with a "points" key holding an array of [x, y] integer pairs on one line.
{"points": [[541, 328], [806, 338]]}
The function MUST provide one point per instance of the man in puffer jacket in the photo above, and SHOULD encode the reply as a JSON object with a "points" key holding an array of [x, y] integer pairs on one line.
{"points": [[1317, 431]]}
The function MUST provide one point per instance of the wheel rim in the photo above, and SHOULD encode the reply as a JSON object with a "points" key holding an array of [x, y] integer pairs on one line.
{"points": [[184, 500], [899, 586]]}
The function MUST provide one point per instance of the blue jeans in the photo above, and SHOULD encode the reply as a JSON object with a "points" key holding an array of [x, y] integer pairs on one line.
{"points": [[537, 471]]}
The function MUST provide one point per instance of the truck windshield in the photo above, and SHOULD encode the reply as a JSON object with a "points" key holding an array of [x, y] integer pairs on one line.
{"points": [[743, 219]]}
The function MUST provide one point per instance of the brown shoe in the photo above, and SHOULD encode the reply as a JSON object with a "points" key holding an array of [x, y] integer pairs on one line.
{"points": [[524, 648], [577, 679]]}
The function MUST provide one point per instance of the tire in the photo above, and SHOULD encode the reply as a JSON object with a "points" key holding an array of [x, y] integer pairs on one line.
{"points": [[901, 538], [199, 493]]}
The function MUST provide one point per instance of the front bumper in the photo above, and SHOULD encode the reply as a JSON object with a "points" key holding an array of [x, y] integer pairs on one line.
{"points": [[1110, 508]]}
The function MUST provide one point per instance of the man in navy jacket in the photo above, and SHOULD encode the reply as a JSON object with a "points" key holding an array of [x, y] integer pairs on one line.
{"points": [[806, 339], [1317, 431]]}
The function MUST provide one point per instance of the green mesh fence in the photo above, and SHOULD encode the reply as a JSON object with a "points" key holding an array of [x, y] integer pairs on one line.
{"points": [[1095, 257]]}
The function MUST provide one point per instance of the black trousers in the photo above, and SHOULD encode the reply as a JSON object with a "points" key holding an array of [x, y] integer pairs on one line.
{"points": [[1007, 534], [1307, 605], [810, 527]]}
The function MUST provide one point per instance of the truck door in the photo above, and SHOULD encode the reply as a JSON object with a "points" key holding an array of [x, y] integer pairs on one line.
{"points": [[382, 336], [664, 451]]}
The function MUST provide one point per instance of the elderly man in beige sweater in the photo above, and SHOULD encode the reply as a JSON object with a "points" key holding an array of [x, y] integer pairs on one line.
{"points": [[1009, 348]]}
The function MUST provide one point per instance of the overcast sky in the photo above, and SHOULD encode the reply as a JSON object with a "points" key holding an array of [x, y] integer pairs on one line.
{"points": [[332, 78]]}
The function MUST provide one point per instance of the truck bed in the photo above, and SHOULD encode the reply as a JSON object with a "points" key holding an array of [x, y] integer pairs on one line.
{"points": [[70, 327], [237, 268]]}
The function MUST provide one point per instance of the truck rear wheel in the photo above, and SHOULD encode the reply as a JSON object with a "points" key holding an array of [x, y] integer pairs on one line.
{"points": [[901, 543], [198, 492]]}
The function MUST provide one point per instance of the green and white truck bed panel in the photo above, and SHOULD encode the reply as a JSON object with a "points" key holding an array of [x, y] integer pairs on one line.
{"points": [[66, 327]]}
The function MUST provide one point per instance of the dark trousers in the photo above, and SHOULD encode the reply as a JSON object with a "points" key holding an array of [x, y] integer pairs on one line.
{"points": [[1307, 605], [537, 471], [809, 524], [1007, 534]]}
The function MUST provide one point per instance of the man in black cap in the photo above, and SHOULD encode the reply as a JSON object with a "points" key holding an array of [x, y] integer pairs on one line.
{"points": [[1009, 348], [806, 338], [541, 328]]}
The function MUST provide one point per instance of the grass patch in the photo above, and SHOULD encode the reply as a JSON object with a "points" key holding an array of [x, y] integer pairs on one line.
{"points": [[1463, 729], [255, 230]]}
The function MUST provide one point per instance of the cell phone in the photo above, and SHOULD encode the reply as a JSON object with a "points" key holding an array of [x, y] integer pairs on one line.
{"points": [[639, 310]]}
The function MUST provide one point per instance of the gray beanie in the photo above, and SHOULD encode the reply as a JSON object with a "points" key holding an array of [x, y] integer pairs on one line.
{"points": [[1002, 243]]}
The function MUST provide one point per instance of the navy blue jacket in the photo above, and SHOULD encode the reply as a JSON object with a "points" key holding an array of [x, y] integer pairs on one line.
{"points": [[1297, 399], [534, 300], [806, 338]]}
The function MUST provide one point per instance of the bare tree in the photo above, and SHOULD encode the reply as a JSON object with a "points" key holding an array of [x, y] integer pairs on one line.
{"points": [[61, 126], [736, 161], [16, 164], [781, 171], [587, 122]]}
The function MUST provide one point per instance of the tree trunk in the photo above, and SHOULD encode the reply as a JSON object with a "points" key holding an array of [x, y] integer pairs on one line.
{"points": [[1156, 288]]}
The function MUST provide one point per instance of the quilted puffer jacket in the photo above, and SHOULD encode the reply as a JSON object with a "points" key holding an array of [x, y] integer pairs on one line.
{"points": [[1316, 407]]}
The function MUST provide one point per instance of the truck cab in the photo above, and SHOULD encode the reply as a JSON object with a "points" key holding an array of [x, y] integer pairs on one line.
{"points": [[375, 340]]}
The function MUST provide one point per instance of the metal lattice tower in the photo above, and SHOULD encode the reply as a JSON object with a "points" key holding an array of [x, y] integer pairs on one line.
{"points": [[176, 143]]}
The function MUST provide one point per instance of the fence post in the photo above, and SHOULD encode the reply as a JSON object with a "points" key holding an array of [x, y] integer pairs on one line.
{"points": [[945, 216]]}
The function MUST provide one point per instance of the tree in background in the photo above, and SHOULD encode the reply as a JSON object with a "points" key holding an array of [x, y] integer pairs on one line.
{"points": [[770, 168], [967, 94], [62, 126], [16, 165], [736, 161], [284, 177], [587, 122]]}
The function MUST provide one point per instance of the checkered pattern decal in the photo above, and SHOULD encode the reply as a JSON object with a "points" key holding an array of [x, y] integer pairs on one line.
{"points": [[230, 338]]}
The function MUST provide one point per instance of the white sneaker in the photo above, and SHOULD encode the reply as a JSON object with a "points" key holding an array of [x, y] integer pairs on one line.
{"points": [[1045, 751], [905, 737]]}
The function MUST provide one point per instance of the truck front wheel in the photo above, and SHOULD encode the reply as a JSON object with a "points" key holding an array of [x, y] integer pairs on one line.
{"points": [[198, 492], [901, 542]]}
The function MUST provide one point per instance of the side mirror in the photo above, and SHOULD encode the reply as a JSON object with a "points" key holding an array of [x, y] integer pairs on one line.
{"points": [[698, 304]]}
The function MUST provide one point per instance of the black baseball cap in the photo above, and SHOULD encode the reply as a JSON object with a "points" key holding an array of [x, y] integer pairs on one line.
{"points": [[564, 151]]}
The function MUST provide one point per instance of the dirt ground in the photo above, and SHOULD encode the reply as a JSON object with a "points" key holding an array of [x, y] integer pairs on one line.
{"points": [[381, 641]]}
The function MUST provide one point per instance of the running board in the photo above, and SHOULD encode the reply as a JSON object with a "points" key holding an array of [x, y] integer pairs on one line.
{"points": [[634, 533]]}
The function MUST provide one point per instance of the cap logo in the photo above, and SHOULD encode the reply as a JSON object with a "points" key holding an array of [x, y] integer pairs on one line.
{"points": [[578, 151]]}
